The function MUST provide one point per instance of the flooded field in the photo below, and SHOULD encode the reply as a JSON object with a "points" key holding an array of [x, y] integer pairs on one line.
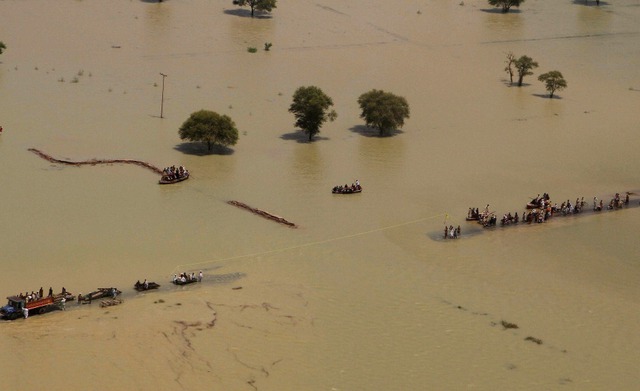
{"points": [[364, 294]]}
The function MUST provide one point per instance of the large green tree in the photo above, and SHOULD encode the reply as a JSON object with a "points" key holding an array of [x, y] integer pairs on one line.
{"points": [[554, 81], [524, 65], [257, 5], [506, 4], [2, 47], [209, 128], [383, 110], [310, 107]]}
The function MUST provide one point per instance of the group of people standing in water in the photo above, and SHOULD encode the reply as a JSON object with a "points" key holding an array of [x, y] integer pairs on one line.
{"points": [[452, 233], [539, 209]]}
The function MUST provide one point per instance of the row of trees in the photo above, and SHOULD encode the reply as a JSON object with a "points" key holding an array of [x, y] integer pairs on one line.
{"points": [[311, 108], [380, 110], [524, 65]]}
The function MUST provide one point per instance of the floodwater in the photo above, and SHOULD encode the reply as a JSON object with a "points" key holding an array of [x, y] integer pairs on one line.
{"points": [[363, 295]]}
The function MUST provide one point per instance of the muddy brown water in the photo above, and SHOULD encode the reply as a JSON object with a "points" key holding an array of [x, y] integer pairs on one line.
{"points": [[363, 294]]}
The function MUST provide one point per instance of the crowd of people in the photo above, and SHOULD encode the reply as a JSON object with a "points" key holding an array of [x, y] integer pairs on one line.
{"points": [[540, 209], [452, 233], [37, 295], [173, 172]]}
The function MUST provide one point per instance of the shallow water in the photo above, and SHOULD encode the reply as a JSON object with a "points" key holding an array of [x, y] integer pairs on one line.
{"points": [[364, 294]]}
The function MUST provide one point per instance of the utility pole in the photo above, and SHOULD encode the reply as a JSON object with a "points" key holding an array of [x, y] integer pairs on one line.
{"points": [[162, 101]]}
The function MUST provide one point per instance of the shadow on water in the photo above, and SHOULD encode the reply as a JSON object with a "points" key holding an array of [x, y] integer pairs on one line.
{"points": [[366, 131], [199, 149], [499, 11], [546, 96], [302, 137], [245, 13], [589, 3]]}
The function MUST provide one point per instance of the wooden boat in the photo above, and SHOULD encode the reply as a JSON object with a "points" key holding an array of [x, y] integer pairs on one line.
{"points": [[187, 282], [346, 190], [99, 294], [166, 181], [140, 286]]}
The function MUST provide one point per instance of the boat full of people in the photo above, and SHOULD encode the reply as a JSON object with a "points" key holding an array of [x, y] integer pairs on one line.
{"points": [[187, 278], [145, 285], [346, 189], [173, 174], [99, 293]]}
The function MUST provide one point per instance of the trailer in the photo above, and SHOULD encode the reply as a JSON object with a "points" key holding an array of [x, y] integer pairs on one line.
{"points": [[16, 305]]}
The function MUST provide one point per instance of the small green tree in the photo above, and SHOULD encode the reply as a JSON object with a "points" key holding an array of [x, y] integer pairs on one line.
{"points": [[511, 59], [310, 107], [383, 110], [524, 65], [209, 128], [506, 4], [257, 5], [2, 47], [553, 81]]}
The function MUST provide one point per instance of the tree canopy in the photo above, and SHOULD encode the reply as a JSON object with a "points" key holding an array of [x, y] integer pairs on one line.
{"points": [[554, 81], [2, 47], [257, 5], [524, 65], [310, 107], [506, 4], [383, 110], [209, 128]]}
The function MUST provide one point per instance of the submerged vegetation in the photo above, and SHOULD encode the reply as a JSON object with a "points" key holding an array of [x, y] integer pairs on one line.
{"points": [[508, 325], [506, 4], [310, 108], [383, 110], [210, 128], [524, 66], [257, 5], [554, 81]]}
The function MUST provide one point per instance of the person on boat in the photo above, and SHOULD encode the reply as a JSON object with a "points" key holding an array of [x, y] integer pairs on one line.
{"points": [[446, 231], [25, 312], [200, 276], [458, 231], [145, 284], [50, 291], [175, 278], [62, 303]]}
